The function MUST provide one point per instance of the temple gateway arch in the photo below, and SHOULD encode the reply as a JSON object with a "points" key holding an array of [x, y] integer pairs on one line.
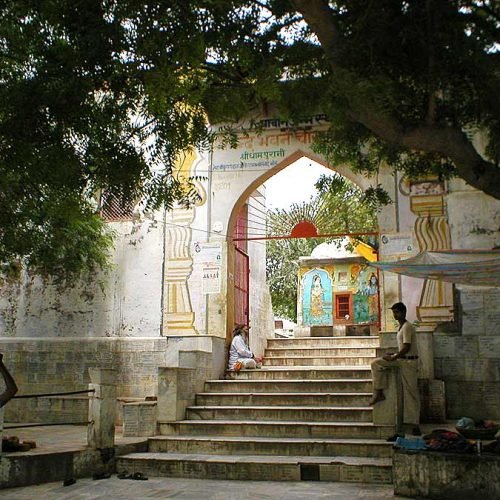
{"points": [[182, 278], [203, 277]]}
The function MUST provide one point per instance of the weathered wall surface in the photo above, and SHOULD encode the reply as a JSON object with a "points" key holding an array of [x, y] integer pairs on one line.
{"points": [[51, 334], [467, 354], [56, 364], [125, 302], [474, 217], [261, 313], [446, 475], [468, 360], [397, 224]]}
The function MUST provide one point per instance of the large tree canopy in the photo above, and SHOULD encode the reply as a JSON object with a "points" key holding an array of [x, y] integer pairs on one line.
{"points": [[105, 94]]}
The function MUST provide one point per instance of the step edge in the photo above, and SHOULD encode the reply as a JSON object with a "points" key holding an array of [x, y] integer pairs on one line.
{"points": [[273, 459], [315, 394]]}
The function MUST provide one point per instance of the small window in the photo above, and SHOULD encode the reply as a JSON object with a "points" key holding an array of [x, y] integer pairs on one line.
{"points": [[343, 307], [112, 209]]}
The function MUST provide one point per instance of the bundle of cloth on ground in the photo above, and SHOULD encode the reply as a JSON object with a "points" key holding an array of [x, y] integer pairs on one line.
{"points": [[444, 440]]}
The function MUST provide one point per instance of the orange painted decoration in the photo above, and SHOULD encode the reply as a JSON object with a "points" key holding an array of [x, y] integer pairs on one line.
{"points": [[304, 229]]}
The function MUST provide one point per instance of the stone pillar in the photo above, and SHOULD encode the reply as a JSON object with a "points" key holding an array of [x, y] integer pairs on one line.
{"points": [[390, 411], [425, 352], [174, 392], [102, 408], [178, 313], [432, 233]]}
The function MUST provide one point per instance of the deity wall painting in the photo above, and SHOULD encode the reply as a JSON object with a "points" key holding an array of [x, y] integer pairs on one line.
{"points": [[317, 298], [320, 288], [366, 292]]}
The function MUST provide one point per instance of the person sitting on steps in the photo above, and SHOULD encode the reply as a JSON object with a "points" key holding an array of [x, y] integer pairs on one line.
{"points": [[240, 355], [406, 359]]}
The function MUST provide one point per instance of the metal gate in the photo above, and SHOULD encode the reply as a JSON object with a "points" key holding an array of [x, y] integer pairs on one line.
{"points": [[241, 288]]}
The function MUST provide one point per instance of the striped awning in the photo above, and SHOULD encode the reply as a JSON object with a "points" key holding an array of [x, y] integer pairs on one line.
{"points": [[466, 267]]}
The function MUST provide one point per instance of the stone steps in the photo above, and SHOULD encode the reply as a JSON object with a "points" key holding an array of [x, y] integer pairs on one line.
{"points": [[322, 361], [283, 385], [350, 352], [259, 467], [324, 342], [283, 398], [283, 413], [239, 445], [294, 372], [253, 428], [303, 415]]}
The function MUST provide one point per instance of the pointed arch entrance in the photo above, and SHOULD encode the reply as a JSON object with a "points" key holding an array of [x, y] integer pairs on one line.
{"points": [[238, 266]]}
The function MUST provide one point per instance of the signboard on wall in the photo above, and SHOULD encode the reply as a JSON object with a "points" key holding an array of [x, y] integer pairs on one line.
{"points": [[396, 245], [209, 255], [210, 280]]}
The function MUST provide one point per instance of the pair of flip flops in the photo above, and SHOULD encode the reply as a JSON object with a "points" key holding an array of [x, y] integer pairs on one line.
{"points": [[137, 476], [101, 475]]}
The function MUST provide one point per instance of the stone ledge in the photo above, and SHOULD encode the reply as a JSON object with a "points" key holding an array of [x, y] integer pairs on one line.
{"points": [[438, 475]]}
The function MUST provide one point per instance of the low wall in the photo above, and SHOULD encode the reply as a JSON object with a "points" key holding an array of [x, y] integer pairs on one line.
{"points": [[468, 359], [61, 365], [446, 475], [24, 469]]}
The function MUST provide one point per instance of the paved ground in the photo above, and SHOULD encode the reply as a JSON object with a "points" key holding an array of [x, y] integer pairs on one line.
{"points": [[56, 438], [63, 438], [199, 489]]}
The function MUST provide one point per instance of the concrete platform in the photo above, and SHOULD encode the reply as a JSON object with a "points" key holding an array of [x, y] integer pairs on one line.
{"points": [[206, 489], [259, 467], [361, 430], [61, 452], [297, 385], [242, 445]]}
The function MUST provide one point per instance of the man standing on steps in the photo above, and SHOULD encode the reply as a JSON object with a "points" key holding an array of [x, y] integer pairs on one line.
{"points": [[406, 359]]}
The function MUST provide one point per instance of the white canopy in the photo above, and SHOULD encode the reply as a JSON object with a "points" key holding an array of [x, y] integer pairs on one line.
{"points": [[466, 267]]}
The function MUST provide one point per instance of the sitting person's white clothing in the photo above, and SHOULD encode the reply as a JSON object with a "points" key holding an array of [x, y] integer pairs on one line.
{"points": [[239, 351]]}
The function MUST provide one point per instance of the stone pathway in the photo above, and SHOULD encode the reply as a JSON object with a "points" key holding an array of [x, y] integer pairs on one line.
{"points": [[199, 489]]}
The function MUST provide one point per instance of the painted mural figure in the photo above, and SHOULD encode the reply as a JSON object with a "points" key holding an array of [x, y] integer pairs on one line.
{"points": [[372, 292], [361, 310], [355, 270], [316, 296]]}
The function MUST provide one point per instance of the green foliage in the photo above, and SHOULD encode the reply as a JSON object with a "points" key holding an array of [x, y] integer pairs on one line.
{"points": [[282, 268], [105, 94], [94, 95], [339, 207]]}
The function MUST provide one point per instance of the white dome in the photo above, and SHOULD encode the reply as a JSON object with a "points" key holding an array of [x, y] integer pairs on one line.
{"points": [[333, 250]]}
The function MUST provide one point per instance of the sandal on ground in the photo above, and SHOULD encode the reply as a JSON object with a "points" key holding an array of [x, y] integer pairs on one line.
{"points": [[139, 476], [393, 438], [123, 475], [100, 475]]}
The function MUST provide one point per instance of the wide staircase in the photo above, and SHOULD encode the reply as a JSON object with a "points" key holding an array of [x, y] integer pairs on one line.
{"points": [[303, 416]]}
